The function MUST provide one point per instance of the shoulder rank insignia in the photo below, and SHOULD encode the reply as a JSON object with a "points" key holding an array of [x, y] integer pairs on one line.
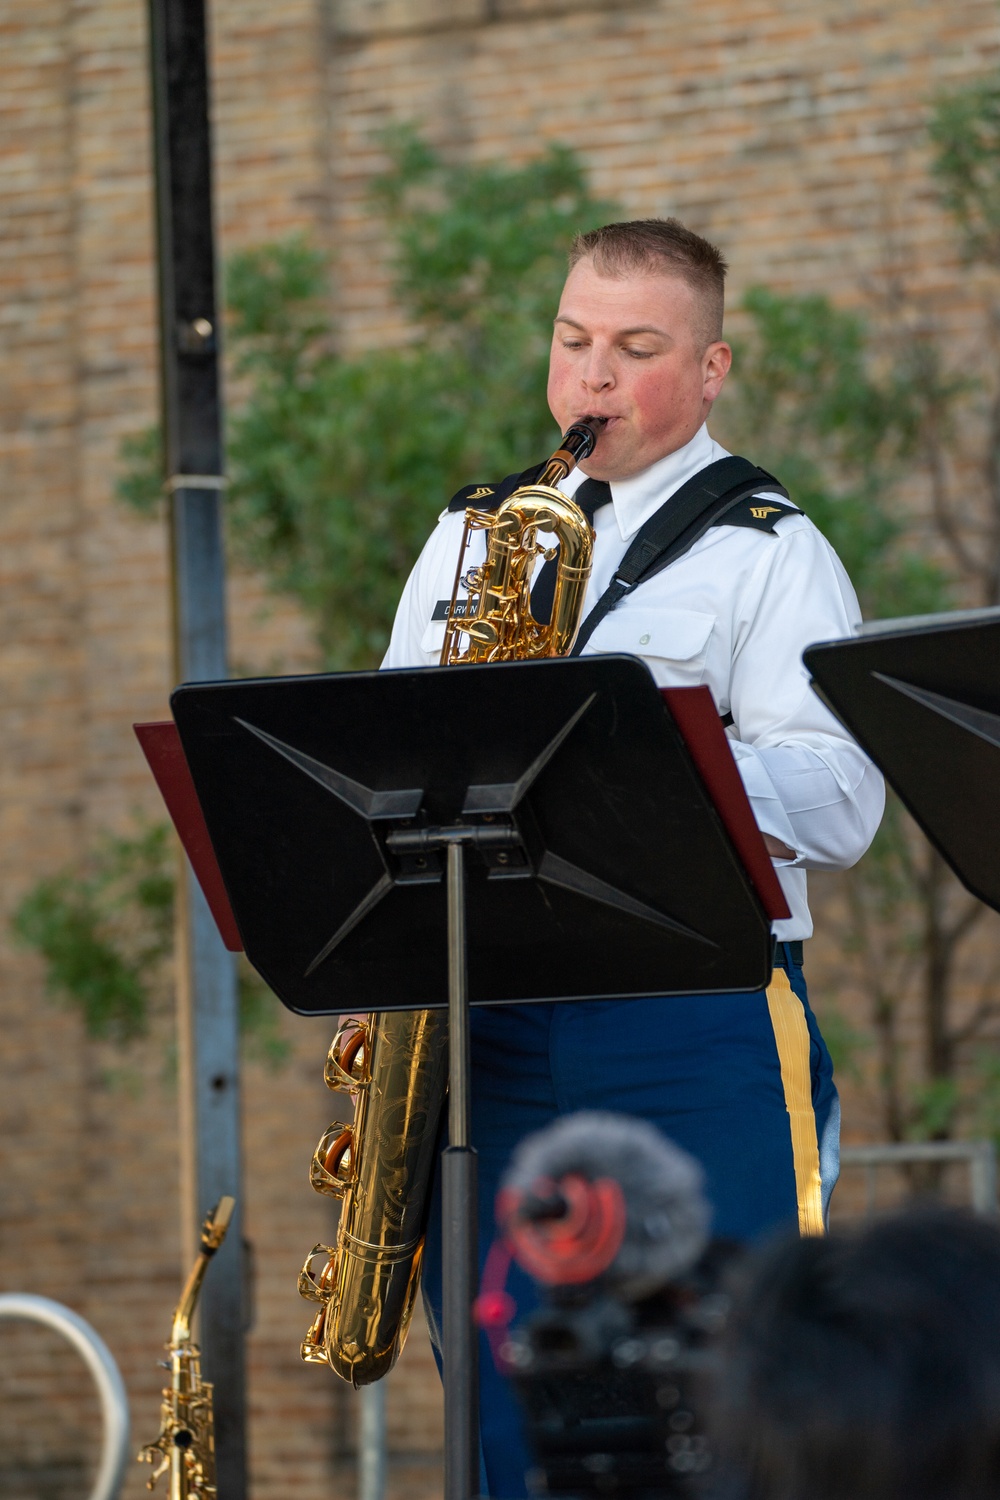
{"points": [[493, 494], [759, 514]]}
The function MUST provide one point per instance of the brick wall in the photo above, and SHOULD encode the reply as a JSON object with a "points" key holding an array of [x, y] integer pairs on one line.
{"points": [[790, 132]]}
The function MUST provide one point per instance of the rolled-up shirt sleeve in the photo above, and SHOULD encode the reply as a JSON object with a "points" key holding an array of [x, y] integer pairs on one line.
{"points": [[809, 783]]}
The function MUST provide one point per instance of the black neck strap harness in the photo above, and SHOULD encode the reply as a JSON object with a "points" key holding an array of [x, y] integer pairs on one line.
{"points": [[716, 496]]}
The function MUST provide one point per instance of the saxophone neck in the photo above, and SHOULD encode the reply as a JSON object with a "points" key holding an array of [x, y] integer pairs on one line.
{"points": [[213, 1232]]}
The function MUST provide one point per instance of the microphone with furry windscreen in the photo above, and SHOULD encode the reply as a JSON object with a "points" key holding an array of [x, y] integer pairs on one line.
{"points": [[610, 1221]]}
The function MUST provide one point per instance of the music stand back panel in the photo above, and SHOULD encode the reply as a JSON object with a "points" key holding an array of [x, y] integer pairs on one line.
{"points": [[924, 701], [628, 883]]}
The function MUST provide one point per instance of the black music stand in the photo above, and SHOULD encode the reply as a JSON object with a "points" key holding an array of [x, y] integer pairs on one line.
{"points": [[558, 805], [922, 698]]}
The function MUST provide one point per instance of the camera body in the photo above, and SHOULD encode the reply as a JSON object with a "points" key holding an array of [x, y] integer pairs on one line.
{"points": [[613, 1395]]}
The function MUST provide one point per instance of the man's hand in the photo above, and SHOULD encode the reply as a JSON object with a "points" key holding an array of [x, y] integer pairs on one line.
{"points": [[776, 849]]}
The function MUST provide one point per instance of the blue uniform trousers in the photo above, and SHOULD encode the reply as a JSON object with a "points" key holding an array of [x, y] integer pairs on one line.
{"points": [[744, 1082]]}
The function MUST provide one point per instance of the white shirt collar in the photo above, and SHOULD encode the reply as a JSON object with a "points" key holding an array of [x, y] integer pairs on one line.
{"points": [[637, 498]]}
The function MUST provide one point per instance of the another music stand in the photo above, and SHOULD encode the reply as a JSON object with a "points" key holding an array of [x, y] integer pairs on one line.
{"points": [[580, 853], [922, 698]]}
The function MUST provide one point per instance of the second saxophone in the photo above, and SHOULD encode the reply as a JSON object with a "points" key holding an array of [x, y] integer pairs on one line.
{"points": [[185, 1448]]}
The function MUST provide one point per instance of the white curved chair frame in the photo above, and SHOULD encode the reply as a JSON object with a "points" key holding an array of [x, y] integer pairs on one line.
{"points": [[107, 1377]]}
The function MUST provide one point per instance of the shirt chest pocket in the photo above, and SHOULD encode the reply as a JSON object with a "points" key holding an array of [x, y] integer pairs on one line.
{"points": [[433, 638], [673, 642]]}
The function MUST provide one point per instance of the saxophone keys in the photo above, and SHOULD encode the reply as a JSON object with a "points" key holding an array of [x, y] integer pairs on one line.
{"points": [[483, 632], [318, 1288], [331, 1170], [313, 1348], [346, 1069]]}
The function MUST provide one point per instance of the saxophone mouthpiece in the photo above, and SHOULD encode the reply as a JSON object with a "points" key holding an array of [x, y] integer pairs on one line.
{"points": [[580, 440]]}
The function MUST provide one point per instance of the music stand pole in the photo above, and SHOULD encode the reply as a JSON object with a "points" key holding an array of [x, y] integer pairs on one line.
{"points": [[459, 1258], [459, 1192]]}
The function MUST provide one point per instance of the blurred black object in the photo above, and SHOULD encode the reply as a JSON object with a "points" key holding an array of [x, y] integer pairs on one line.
{"points": [[610, 1220], [922, 697], [866, 1365]]}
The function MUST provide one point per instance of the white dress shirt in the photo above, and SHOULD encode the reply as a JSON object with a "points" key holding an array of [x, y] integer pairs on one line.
{"points": [[735, 612]]}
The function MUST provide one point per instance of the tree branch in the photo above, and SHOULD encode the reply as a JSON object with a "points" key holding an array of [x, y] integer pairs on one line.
{"points": [[973, 914], [942, 511]]}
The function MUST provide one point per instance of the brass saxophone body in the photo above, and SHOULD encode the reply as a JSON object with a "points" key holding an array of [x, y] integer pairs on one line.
{"points": [[497, 617], [395, 1063], [380, 1167], [186, 1445]]}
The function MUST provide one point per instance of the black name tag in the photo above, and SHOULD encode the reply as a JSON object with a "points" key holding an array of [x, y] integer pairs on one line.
{"points": [[442, 609]]}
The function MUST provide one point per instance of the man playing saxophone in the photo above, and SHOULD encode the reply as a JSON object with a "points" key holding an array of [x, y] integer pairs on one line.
{"points": [[743, 1082]]}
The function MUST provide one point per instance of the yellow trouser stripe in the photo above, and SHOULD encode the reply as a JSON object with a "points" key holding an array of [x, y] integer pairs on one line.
{"points": [[791, 1036]]}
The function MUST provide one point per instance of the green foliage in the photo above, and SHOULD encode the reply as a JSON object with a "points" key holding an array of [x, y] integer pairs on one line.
{"points": [[809, 405], [846, 1043], [985, 1114], [965, 133], [103, 931], [476, 246], [277, 303], [261, 1037], [339, 466], [140, 481], [106, 932], [935, 1104]]}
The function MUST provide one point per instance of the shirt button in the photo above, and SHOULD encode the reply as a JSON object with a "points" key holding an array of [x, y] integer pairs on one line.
{"points": [[644, 640]]}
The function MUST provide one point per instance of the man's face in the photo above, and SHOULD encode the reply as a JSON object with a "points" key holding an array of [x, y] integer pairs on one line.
{"points": [[629, 349]]}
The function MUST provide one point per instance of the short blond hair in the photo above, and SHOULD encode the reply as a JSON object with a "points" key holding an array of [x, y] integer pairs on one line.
{"points": [[644, 247]]}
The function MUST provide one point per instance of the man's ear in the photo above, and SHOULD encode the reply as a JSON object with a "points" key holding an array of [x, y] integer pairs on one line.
{"points": [[715, 365]]}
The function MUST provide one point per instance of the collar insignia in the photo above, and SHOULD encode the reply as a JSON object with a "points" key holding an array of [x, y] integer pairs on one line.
{"points": [[761, 512], [481, 493]]}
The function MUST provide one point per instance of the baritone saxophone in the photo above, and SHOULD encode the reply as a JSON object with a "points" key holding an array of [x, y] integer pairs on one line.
{"points": [[394, 1063]]}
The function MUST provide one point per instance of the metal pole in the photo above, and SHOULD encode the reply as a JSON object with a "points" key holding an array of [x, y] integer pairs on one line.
{"points": [[983, 1175], [459, 1258], [372, 1444], [459, 1103], [193, 453]]}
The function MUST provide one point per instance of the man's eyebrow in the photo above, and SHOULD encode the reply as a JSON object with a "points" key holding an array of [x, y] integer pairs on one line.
{"points": [[623, 333]]}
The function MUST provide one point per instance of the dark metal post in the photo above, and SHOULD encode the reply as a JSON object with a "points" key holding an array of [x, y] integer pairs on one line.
{"points": [[193, 452], [459, 1192]]}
